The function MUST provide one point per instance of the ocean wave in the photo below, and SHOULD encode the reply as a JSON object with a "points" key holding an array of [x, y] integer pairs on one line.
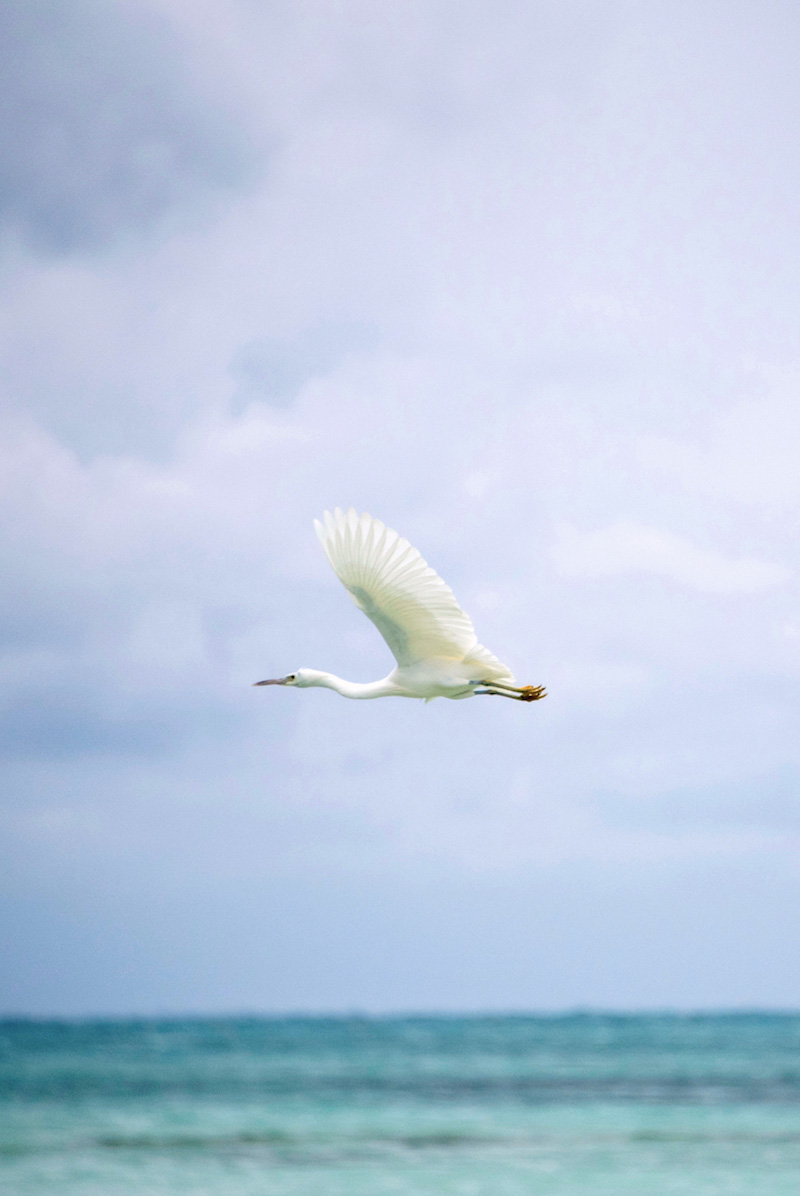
{"points": [[348, 1146]]}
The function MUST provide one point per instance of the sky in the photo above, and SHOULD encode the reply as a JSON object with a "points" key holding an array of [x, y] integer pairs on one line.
{"points": [[521, 280]]}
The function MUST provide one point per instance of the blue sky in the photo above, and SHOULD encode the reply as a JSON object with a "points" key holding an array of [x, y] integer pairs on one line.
{"points": [[518, 279]]}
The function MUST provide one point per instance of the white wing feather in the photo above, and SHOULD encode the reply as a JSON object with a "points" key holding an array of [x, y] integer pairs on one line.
{"points": [[414, 610]]}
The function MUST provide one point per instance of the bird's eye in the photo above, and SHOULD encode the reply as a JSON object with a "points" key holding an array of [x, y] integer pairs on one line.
{"points": [[292, 677]]}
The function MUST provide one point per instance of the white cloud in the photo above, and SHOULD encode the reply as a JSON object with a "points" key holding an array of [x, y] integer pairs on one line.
{"points": [[746, 454], [628, 547]]}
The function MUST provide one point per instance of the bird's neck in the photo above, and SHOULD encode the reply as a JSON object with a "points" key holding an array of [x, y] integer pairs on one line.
{"points": [[356, 689]]}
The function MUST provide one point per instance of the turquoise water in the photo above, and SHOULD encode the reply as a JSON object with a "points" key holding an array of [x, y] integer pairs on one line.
{"points": [[496, 1106]]}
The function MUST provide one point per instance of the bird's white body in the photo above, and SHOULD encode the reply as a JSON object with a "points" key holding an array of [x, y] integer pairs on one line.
{"points": [[430, 636]]}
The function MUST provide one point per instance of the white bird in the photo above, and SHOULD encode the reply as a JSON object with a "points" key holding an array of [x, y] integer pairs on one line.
{"points": [[430, 636]]}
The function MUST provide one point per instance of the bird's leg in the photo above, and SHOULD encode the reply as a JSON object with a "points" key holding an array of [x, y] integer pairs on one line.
{"points": [[525, 693], [532, 693], [514, 689]]}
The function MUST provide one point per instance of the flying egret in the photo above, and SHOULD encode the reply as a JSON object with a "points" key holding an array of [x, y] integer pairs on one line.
{"points": [[431, 638]]}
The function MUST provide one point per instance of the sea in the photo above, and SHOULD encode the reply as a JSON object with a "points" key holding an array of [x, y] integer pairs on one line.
{"points": [[562, 1105]]}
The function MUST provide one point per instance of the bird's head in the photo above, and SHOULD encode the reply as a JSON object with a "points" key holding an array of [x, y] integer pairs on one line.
{"points": [[301, 678]]}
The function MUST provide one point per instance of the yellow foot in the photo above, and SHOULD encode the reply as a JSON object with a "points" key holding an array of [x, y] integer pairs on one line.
{"points": [[532, 693]]}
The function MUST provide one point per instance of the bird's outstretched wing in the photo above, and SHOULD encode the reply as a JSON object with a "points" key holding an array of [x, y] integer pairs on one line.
{"points": [[414, 610]]}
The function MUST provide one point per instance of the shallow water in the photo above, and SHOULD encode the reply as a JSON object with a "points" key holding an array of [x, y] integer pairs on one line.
{"points": [[502, 1106]]}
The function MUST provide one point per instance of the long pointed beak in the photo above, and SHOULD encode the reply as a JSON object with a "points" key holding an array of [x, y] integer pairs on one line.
{"points": [[275, 681]]}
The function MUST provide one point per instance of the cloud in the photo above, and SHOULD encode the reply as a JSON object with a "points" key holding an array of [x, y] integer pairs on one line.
{"points": [[770, 803], [274, 368], [748, 453], [102, 132], [628, 547]]}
